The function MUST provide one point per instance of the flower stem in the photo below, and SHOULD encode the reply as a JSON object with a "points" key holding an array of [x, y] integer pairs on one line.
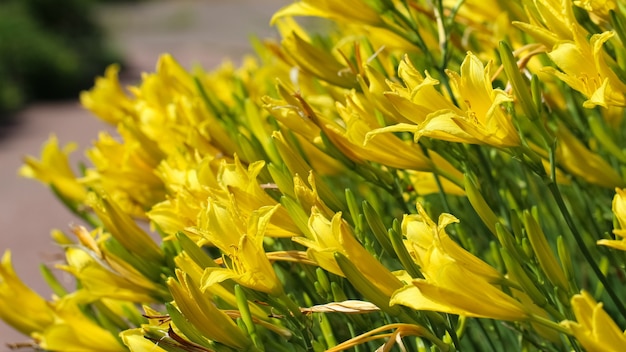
{"points": [[554, 189], [550, 324]]}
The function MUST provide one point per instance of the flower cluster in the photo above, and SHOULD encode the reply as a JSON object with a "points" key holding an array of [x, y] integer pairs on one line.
{"points": [[288, 204]]}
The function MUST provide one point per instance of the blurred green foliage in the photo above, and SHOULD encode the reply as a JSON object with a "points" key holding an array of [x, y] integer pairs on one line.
{"points": [[49, 49]]}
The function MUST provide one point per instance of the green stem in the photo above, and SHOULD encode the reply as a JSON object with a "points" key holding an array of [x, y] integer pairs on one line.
{"points": [[75, 208], [419, 41], [444, 25], [554, 189], [435, 340], [292, 306], [487, 337], [550, 324], [442, 193], [399, 196], [452, 332]]}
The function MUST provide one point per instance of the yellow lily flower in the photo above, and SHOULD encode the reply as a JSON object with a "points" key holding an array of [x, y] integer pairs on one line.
{"points": [[296, 115], [584, 65], [55, 326], [424, 236], [292, 115], [189, 183], [97, 257], [462, 293], [585, 69], [244, 245], [75, 332], [22, 308], [126, 170], [136, 342], [335, 236], [124, 229], [593, 327], [455, 281], [224, 182], [202, 312], [386, 149], [374, 85], [245, 189], [480, 121], [417, 97], [143, 338], [250, 268], [99, 280], [169, 80], [195, 272], [107, 100], [169, 104], [170, 125], [484, 119], [175, 215], [54, 169], [452, 288]]}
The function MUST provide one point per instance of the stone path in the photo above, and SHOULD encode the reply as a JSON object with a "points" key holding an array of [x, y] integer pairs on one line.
{"points": [[195, 32]]}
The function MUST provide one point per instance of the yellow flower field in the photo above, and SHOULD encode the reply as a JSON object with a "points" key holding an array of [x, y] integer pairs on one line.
{"points": [[406, 175]]}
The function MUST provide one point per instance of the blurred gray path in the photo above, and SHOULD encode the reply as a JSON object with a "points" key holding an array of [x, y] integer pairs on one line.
{"points": [[195, 32]]}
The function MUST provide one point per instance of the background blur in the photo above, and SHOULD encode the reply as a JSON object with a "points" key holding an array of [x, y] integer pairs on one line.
{"points": [[40, 42]]}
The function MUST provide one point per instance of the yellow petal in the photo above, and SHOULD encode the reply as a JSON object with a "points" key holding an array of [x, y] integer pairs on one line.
{"points": [[73, 331], [337, 10], [54, 169], [107, 100], [136, 342], [204, 315], [22, 308], [474, 301], [594, 328]]}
